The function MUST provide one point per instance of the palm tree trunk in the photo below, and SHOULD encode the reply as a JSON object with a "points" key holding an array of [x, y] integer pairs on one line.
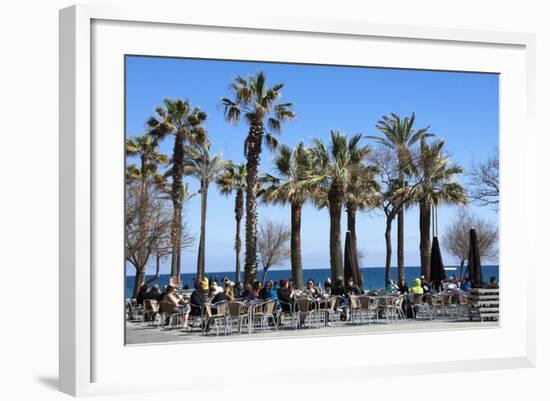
{"points": [[336, 262], [177, 184], [238, 218], [295, 244], [351, 214], [425, 242], [401, 244], [139, 280], [202, 241], [387, 236], [254, 148], [401, 227], [142, 216]]}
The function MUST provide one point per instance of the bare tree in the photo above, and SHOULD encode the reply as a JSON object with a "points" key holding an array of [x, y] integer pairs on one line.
{"points": [[393, 196], [456, 239], [148, 221], [273, 245], [163, 248], [484, 181]]}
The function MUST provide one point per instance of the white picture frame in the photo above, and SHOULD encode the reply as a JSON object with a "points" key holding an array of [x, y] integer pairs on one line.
{"points": [[89, 357]]}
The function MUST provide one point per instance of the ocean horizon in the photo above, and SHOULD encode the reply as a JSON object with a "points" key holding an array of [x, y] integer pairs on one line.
{"points": [[373, 277]]}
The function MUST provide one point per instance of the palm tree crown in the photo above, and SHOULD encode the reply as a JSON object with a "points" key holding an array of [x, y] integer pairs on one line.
{"points": [[259, 104]]}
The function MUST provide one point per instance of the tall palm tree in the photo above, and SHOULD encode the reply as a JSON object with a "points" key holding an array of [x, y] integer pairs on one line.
{"points": [[262, 111], [145, 148], [437, 187], [205, 167], [179, 119], [233, 179], [361, 194], [400, 135], [293, 167], [333, 169]]}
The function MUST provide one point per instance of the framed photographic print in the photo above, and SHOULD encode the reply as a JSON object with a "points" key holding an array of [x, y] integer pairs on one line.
{"points": [[325, 186]]}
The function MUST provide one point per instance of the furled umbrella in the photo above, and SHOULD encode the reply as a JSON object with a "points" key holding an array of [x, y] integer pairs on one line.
{"points": [[437, 270], [474, 261], [350, 263]]}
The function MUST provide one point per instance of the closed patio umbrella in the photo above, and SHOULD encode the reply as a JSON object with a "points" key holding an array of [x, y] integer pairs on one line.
{"points": [[437, 270], [350, 263], [474, 261]]}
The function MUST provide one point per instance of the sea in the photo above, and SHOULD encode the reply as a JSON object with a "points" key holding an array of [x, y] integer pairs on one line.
{"points": [[373, 277]]}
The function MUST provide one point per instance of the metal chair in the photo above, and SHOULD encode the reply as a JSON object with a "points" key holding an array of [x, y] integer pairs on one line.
{"points": [[305, 310], [236, 313], [369, 308], [215, 318]]}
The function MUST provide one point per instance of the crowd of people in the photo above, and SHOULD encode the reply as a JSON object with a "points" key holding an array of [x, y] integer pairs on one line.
{"points": [[282, 292]]}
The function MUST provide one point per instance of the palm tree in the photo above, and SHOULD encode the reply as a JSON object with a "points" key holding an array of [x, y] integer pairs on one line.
{"points": [[399, 135], [205, 167], [233, 179], [293, 166], [361, 194], [262, 111], [185, 123], [333, 169], [145, 148], [437, 187]]}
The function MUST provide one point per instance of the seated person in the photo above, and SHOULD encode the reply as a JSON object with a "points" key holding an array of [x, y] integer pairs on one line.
{"points": [[492, 283], [228, 290], [247, 291], [416, 287], [142, 294], [338, 288], [214, 289], [256, 287], [227, 281], [268, 292], [391, 286], [466, 284], [225, 296], [328, 286], [450, 285], [154, 293], [173, 303], [426, 285], [403, 288], [352, 288], [238, 290], [311, 290], [285, 295], [198, 298]]}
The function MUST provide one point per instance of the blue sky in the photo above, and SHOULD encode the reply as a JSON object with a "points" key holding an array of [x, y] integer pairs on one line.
{"points": [[461, 108]]}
